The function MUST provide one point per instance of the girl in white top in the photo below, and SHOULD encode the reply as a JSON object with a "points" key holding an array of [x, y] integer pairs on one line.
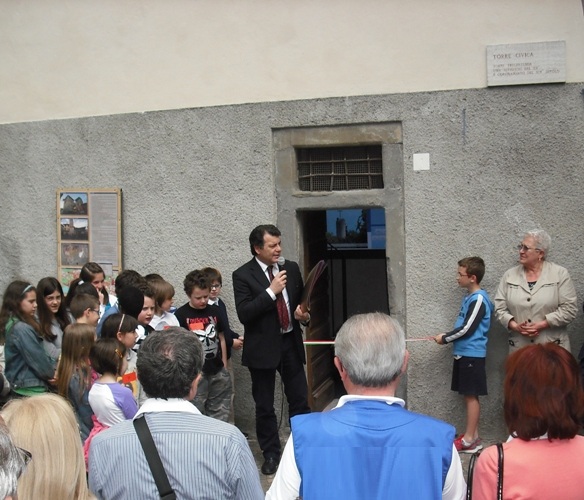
{"points": [[110, 401]]}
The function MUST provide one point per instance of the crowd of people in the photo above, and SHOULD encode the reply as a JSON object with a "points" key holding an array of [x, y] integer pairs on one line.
{"points": [[85, 374]]}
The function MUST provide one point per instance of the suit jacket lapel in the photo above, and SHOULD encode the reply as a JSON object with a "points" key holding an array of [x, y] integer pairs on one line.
{"points": [[258, 274]]}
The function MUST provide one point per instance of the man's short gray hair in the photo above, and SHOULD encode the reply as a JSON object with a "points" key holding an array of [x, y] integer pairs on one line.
{"points": [[12, 464], [543, 240], [372, 348]]}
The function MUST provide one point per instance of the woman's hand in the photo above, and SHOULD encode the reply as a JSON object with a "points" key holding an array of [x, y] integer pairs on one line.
{"points": [[528, 328]]}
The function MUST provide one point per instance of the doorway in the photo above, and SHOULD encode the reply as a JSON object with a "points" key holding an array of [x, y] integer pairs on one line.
{"points": [[356, 280], [351, 241]]}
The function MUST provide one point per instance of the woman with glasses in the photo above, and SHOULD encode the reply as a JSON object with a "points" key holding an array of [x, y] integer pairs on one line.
{"points": [[536, 299]]}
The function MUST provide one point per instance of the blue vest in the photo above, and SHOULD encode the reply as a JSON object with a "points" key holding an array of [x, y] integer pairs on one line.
{"points": [[370, 450]]}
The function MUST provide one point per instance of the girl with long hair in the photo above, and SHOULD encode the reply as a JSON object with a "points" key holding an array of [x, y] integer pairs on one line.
{"points": [[93, 273], [123, 327], [74, 374], [29, 369], [52, 315], [110, 401]]}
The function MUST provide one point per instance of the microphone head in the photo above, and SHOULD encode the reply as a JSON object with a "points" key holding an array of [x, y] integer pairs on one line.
{"points": [[281, 261]]}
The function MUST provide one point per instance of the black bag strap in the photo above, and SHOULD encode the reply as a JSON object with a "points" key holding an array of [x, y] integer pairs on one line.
{"points": [[160, 477], [500, 470]]}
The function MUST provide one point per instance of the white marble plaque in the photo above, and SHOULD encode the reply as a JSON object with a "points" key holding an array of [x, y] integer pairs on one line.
{"points": [[524, 63]]}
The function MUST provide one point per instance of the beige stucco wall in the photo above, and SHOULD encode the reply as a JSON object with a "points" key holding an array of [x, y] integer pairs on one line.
{"points": [[74, 58]]}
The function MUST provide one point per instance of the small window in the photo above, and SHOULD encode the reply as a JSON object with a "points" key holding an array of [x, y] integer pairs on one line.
{"points": [[339, 168]]}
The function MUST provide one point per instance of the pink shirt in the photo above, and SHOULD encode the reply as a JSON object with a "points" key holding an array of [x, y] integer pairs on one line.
{"points": [[538, 469]]}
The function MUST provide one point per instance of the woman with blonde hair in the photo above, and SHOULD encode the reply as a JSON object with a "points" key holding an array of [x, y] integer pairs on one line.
{"points": [[46, 426]]}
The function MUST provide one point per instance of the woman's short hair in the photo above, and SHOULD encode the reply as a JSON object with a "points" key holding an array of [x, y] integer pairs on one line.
{"points": [[543, 240], [45, 425], [543, 393]]}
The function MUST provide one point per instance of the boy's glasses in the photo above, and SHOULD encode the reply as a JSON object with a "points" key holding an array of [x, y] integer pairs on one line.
{"points": [[216, 286], [460, 275]]}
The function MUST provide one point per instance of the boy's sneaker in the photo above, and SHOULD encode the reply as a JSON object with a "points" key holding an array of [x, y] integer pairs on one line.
{"points": [[463, 447]]}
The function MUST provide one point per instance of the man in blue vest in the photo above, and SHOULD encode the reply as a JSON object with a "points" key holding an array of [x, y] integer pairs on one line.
{"points": [[369, 446]]}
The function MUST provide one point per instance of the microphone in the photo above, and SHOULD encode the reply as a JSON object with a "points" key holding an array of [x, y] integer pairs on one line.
{"points": [[281, 261]]}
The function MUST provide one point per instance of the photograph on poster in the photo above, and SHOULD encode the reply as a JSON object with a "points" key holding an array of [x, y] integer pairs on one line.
{"points": [[74, 229], [73, 203], [74, 254]]}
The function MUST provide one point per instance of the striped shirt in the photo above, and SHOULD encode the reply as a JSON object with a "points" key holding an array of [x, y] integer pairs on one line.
{"points": [[203, 457]]}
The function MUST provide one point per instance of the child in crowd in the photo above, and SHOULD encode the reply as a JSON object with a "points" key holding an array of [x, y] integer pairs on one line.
{"points": [[214, 391], [28, 368], [127, 278], [74, 374], [85, 309], [469, 337], [232, 339], [123, 328], [163, 295], [110, 401], [52, 315], [94, 274], [145, 316]]}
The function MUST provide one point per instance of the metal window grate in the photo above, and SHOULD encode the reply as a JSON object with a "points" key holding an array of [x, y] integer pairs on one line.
{"points": [[339, 168]]}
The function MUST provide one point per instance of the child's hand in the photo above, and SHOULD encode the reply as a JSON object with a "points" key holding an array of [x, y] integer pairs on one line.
{"points": [[439, 339], [237, 344]]}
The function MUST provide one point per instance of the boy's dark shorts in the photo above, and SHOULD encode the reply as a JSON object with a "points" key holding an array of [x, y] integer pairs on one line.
{"points": [[469, 376]]}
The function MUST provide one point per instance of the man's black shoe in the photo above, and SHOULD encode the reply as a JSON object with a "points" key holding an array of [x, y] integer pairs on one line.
{"points": [[270, 466]]}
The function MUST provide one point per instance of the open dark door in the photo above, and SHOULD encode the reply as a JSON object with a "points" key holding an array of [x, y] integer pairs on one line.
{"points": [[321, 372]]}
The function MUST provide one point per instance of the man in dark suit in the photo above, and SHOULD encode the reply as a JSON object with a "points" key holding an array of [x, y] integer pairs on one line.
{"points": [[267, 296]]}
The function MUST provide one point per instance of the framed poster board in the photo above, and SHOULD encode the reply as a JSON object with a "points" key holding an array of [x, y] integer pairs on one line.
{"points": [[89, 229]]}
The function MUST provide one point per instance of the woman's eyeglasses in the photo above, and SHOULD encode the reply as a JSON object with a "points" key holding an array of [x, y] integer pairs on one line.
{"points": [[524, 248], [26, 458]]}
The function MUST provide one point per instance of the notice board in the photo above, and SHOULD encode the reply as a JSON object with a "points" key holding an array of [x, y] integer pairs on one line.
{"points": [[89, 229]]}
